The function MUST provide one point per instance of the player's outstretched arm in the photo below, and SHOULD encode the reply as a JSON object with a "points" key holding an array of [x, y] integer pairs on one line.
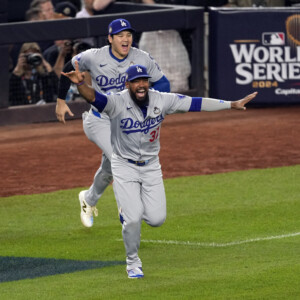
{"points": [[78, 78], [240, 104]]}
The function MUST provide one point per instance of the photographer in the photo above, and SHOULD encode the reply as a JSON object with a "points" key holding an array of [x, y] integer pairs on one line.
{"points": [[61, 51], [59, 54], [32, 80]]}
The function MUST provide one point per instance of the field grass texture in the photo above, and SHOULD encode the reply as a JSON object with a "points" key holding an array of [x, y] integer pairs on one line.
{"points": [[227, 236]]}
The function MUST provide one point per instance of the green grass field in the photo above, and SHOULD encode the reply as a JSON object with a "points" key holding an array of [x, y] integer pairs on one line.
{"points": [[227, 236]]}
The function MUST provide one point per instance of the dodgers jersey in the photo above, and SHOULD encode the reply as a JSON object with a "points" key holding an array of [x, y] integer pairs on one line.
{"points": [[133, 136], [109, 73]]}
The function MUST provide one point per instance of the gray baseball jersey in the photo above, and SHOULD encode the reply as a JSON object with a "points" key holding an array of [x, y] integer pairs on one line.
{"points": [[108, 75], [138, 183], [135, 137], [108, 72]]}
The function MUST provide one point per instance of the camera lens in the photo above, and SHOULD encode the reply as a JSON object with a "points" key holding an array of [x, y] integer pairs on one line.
{"points": [[34, 59]]}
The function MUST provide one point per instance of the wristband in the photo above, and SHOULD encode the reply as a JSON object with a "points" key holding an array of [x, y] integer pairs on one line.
{"points": [[80, 83]]}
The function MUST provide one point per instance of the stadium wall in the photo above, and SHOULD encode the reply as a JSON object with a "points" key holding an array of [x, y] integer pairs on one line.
{"points": [[232, 51], [142, 17]]}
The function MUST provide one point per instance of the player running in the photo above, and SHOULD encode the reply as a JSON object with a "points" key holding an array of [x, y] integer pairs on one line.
{"points": [[107, 67], [136, 117]]}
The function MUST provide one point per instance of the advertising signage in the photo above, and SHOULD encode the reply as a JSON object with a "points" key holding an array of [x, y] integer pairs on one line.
{"points": [[255, 50]]}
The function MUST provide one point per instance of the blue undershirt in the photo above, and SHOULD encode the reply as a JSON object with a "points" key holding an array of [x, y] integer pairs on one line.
{"points": [[100, 101], [162, 85]]}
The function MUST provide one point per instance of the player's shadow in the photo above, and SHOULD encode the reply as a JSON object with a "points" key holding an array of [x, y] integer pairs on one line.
{"points": [[17, 268]]}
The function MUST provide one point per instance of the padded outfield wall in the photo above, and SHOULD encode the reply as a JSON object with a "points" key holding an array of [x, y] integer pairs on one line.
{"points": [[247, 49], [255, 49], [187, 20]]}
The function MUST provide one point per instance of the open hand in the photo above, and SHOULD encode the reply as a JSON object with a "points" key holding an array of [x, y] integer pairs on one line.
{"points": [[75, 76], [240, 104]]}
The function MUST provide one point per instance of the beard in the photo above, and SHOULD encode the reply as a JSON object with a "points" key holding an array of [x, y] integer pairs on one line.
{"points": [[139, 102]]}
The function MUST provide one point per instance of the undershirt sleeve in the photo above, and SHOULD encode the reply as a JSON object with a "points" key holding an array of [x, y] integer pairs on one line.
{"points": [[100, 101], [162, 85], [64, 82]]}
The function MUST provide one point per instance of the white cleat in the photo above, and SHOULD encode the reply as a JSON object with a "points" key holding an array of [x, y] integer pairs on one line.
{"points": [[135, 273], [86, 214]]}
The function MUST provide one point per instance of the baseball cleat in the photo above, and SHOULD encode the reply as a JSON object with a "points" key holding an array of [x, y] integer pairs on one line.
{"points": [[86, 214], [135, 273]]}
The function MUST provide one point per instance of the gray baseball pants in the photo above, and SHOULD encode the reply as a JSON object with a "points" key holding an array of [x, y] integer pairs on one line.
{"points": [[140, 195], [98, 131]]}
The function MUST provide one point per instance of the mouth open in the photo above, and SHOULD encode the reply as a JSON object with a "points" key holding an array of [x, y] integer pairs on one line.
{"points": [[141, 93], [125, 47]]}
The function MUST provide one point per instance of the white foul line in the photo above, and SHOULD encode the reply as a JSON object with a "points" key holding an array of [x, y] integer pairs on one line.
{"points": [[276, 237]]}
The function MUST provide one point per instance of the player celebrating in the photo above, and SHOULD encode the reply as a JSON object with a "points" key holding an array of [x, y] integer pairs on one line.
{"points": [[136, 117], [107, 67]]}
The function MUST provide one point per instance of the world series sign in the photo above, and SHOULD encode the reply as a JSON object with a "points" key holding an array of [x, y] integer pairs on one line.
{"points": [[255, 49]]}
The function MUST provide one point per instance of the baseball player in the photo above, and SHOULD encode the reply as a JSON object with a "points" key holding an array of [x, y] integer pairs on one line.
{"points": [[107, 67], [136, 117]]}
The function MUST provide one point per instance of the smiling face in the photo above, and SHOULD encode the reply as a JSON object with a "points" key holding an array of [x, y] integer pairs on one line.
{"points": [[121, 43], [138, 88]]}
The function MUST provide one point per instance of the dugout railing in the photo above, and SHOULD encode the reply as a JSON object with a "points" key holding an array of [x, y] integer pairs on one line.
{"points": [[144, 18]]}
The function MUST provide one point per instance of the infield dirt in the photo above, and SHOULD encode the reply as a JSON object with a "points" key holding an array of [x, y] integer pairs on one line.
{"points": [[45, 157]]}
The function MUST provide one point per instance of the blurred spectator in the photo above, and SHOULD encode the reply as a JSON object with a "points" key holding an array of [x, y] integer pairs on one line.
{"points": [[87, 9], [73, 91], [86, 12], [292, 3], [175, 63], [91, 8], [204, 3], [45, 6], [99, 5], [76, 3], [34, 14], [32, 80], [65, 9], [31, 15], [79, 47], [256, 3], [61, 52]]}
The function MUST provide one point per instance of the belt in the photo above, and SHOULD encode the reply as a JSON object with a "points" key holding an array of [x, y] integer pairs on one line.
{"points": [[138, 163], [96, 113]]}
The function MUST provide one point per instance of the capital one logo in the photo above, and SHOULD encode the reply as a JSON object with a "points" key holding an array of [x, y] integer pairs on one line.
{"points": [[123, 24]]}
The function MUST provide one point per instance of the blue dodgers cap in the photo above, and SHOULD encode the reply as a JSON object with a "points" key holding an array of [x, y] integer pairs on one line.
{"points": [[137, 71], [119, 25]]}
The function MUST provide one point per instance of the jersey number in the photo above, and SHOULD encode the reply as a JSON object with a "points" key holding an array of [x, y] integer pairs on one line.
{"points": [[154, 134]]}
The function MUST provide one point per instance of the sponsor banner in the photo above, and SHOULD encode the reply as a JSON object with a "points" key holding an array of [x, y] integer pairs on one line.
{"points": [[255, 50]]}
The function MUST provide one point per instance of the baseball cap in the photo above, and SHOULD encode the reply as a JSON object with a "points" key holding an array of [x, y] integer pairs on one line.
{"points": [[137, 71], [119, 25], [66, 8]]}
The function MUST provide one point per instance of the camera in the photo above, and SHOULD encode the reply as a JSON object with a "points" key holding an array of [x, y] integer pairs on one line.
{"points": [[34, 59], [81, 46], [69, 43]]}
